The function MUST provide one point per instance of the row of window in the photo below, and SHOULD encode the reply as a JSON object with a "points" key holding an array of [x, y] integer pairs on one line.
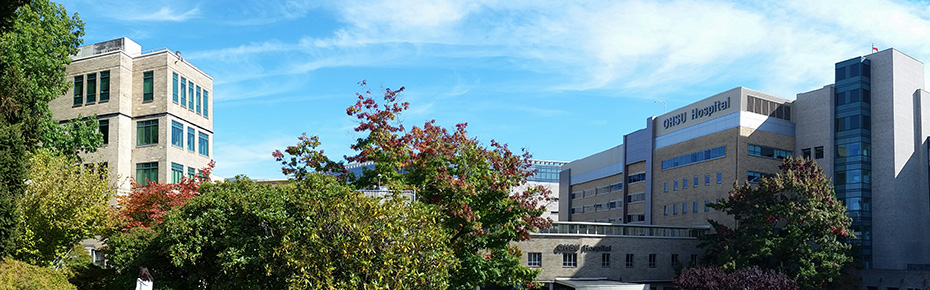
{"points": [[190, 95], [570, 260], [597, 190], [90, 95], [545, 173], [763, 151], [818, 152], [684, 207], [853, 96], [853, 122], [684, 181], [611, 205], [768, 108], [148, 171], [638, 177], [147, 134], [755, 177], [695, 157]]}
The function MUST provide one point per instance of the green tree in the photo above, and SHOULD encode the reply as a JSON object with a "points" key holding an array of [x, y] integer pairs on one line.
{"points": [[791, 223], [469, 183], [16, 275], [318, 233], [64, 204]]}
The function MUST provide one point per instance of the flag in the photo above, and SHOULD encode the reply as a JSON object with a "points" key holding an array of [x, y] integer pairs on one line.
{"points": [[874, 49]]}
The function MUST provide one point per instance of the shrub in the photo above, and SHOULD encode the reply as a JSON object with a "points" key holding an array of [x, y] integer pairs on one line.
{"points": [[22, 276]]}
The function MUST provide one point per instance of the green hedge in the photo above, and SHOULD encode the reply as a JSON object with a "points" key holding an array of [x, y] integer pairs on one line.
{"points": [[16, 275]]}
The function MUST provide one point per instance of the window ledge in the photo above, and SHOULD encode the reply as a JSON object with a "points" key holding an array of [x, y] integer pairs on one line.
{"points": [[147, 145]]}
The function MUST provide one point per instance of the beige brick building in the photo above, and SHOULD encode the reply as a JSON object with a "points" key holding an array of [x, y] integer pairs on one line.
{"points": [[155, 110]]}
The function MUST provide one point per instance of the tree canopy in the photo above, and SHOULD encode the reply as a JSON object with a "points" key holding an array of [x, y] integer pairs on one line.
{"points": [[791, 223], [468, 182]]}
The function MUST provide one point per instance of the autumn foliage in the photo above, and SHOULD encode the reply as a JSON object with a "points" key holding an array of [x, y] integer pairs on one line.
{"points": [[147, 204], [468, 182]]}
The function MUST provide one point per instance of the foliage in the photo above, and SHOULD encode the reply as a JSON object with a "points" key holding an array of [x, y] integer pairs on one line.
{"points": [[12, 174], [81, 271], [791, 223], [64, 203], [715, 278], [147, 204], [16, 275], [316, 234], [470, 183]]}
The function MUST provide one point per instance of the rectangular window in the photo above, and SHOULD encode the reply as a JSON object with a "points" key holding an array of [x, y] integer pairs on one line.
{"points": [[190, 172], [204, 144], [666, 187], [206, 103], [755, 177], [534, 259], [675, 187], [198, 100], [666, 210], [612, 205], [674, 260], [177, 172], [104, 126], [177, 134], [146, 172], [695, 181], [174, 87], [818, 152], [78, 90], [183, 92], [629, 260], [605, 260], [694, 259], [769, 152], [652, 260], [719, 177], [190, 139], [147, 132], [706, 205], [91, 88], [190, 92], [636, 197], [570, 260], [675, 209], [806, 152], [104, 86], [636, 178], [148, 86], [695, 157], [707, 179], [684, 207]]}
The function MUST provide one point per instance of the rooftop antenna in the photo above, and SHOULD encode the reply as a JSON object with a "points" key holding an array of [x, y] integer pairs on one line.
{"points": [[178, 53], [663, 105]]}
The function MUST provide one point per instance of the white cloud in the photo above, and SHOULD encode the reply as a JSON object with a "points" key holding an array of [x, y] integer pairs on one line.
{"points": [[165, 14]]}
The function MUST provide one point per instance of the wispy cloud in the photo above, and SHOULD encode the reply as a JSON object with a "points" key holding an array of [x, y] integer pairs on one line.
{"points": [[165, 14]]}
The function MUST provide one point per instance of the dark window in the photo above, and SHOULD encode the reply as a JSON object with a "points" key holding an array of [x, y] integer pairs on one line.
{"points": [[818, 152], [198, 100], [534, 259], [204, 144], [148, 85], [184, 92], [719, 177], [78, 90], [636, 178], [190, 92], [652, 260], [190, 139], [666, 210], [146, 172], [666, 187], [763, 151], [605, 260], [177, 134], [707, 179], [104, 86], [695, 157], [190, 172], [684, 183], [91, 88], [174, 87], [695, 181], [675, 187], [570, 260], [104, 126], [206, 109], [806, 152], [147, 132], [629, 260], [674, 260], [706, 205]]}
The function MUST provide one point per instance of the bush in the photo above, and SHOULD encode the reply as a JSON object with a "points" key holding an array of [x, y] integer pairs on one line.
{"points": [[22, 276], [714, 278]]}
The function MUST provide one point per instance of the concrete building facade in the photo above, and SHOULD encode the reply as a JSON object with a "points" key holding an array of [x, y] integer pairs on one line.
{"points": [[154, 108]]}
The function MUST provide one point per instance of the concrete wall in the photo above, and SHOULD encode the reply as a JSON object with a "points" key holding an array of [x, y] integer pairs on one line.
{"points": [[815, 126]]}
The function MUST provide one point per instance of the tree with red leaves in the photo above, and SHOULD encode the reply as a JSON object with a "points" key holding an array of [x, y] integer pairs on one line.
{"points": [[791, 223], [146, 205], [468, 182]]}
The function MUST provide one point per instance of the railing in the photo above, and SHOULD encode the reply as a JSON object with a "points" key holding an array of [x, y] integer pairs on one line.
{"points": [[608, 229]]}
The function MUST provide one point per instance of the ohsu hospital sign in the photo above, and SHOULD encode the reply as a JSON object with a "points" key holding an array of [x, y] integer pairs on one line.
{"points": [[696, 113], [569, 248]]}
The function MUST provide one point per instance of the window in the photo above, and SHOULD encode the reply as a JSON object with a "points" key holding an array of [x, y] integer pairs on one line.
{"points": [[104, 127], [706, 205], [104, 86], [612, 205], [695, 181], [636, 217], [853, 122], [605, 260], [754, 177], [177, 171], [636, 178], [674, 260], [147, 132], [675, 187], [190, 92], [707, 179], [190, 172], [206, 103], [570, 260], [818, 152], [204, 144], [91, 88], [636, 197], [174, 87], [78, 90], [684, 207], [534, 259], [666, 210], [148, 85], [183, 92], [675, 209], [695, 157], [806, 152], [652, 260], [190, 139], [694, 259], [763, 151], [629, 260], [146, 172], [198, 100], [719, 177], [694, 207], [684, 183], [666, 187], [768, 108], [177, 134], [853, 150]]}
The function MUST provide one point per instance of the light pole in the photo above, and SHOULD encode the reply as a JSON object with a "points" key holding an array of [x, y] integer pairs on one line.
{"points": [[663, 105]]}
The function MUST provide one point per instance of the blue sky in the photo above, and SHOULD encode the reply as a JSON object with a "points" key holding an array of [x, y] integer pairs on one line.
{"points": [[563, 79]]}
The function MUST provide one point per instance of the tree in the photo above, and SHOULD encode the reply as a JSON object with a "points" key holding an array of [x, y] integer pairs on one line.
{"points": [[470, 183], [147, 204], [791, 223], [16, 275], [315, 234], [714, 278], [64, 203]]}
